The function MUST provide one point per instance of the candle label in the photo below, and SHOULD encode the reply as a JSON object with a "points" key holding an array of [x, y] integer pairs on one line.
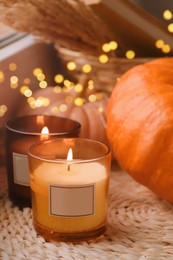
{"points": [[21, 169], [72, 201]]}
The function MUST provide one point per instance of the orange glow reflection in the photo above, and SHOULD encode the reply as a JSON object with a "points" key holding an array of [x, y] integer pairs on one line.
{"points": [[40, 120]]}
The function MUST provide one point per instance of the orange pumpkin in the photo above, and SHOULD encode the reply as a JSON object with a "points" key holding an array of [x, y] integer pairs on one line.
{"points": [[91, 115], [140, 125]]}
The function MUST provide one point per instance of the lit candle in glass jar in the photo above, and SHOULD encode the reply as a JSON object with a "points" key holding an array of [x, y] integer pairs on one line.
{"points": [[21, 133], [20, 161], [69, 197]]}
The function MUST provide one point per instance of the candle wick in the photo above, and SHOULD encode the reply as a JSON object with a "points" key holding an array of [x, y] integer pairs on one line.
{"points": [[68, 167]]}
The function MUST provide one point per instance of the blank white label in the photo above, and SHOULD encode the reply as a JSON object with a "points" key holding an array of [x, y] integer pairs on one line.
{"points": [[72, 201], [21, 169]]}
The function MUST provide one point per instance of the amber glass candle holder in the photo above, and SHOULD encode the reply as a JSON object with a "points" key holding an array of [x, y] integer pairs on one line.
{"points": [[21, 133], [69, 196]]}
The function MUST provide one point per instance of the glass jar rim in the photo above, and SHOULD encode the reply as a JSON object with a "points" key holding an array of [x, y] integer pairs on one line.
{"points": [[62, 161], [10, 124]]}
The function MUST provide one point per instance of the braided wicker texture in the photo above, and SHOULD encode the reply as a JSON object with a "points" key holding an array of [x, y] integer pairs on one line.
{"points": [[140, 226]]}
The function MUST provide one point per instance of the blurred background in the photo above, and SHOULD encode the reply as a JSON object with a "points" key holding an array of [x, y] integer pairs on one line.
{"points": [[155, 7]]}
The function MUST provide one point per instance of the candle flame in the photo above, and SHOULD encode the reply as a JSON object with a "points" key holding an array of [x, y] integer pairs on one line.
{"points": [[44, 133], [70, 155], [69, 158]]}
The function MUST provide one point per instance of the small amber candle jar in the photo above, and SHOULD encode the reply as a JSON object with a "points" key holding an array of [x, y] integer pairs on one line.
{"points": [[21, 133], [69, 196]]}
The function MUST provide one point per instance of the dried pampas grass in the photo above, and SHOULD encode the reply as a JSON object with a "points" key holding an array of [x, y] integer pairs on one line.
{"points": [[77, 33], [69, 23]]}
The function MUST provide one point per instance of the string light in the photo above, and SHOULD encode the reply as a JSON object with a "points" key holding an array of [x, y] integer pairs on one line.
{"points": [[106, 47], [68, 99], [12, 66], [71, 65], [28, 93], [113, 45], [78, 87], [99, 96], [31, 102], [43, 84], [118, 79], [14, 79], [40, 76], [100, 109], [103, 58], [13, 82], [170, 27], [46, 102], [37, 71], [55, 110], [26, 81], [57, 89], [67, 85], [58, 78], [78, 101], [166, 48], [1, 76], [62, 107], [3, 109], [130, 54], [90, 84], [39, 102], [24, 90], [86, 68], [66, 89], [167, 14], [92, 98], [159, 44]]}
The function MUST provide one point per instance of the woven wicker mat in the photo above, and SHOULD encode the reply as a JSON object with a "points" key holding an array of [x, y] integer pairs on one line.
{"points": [[140, 226]]}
